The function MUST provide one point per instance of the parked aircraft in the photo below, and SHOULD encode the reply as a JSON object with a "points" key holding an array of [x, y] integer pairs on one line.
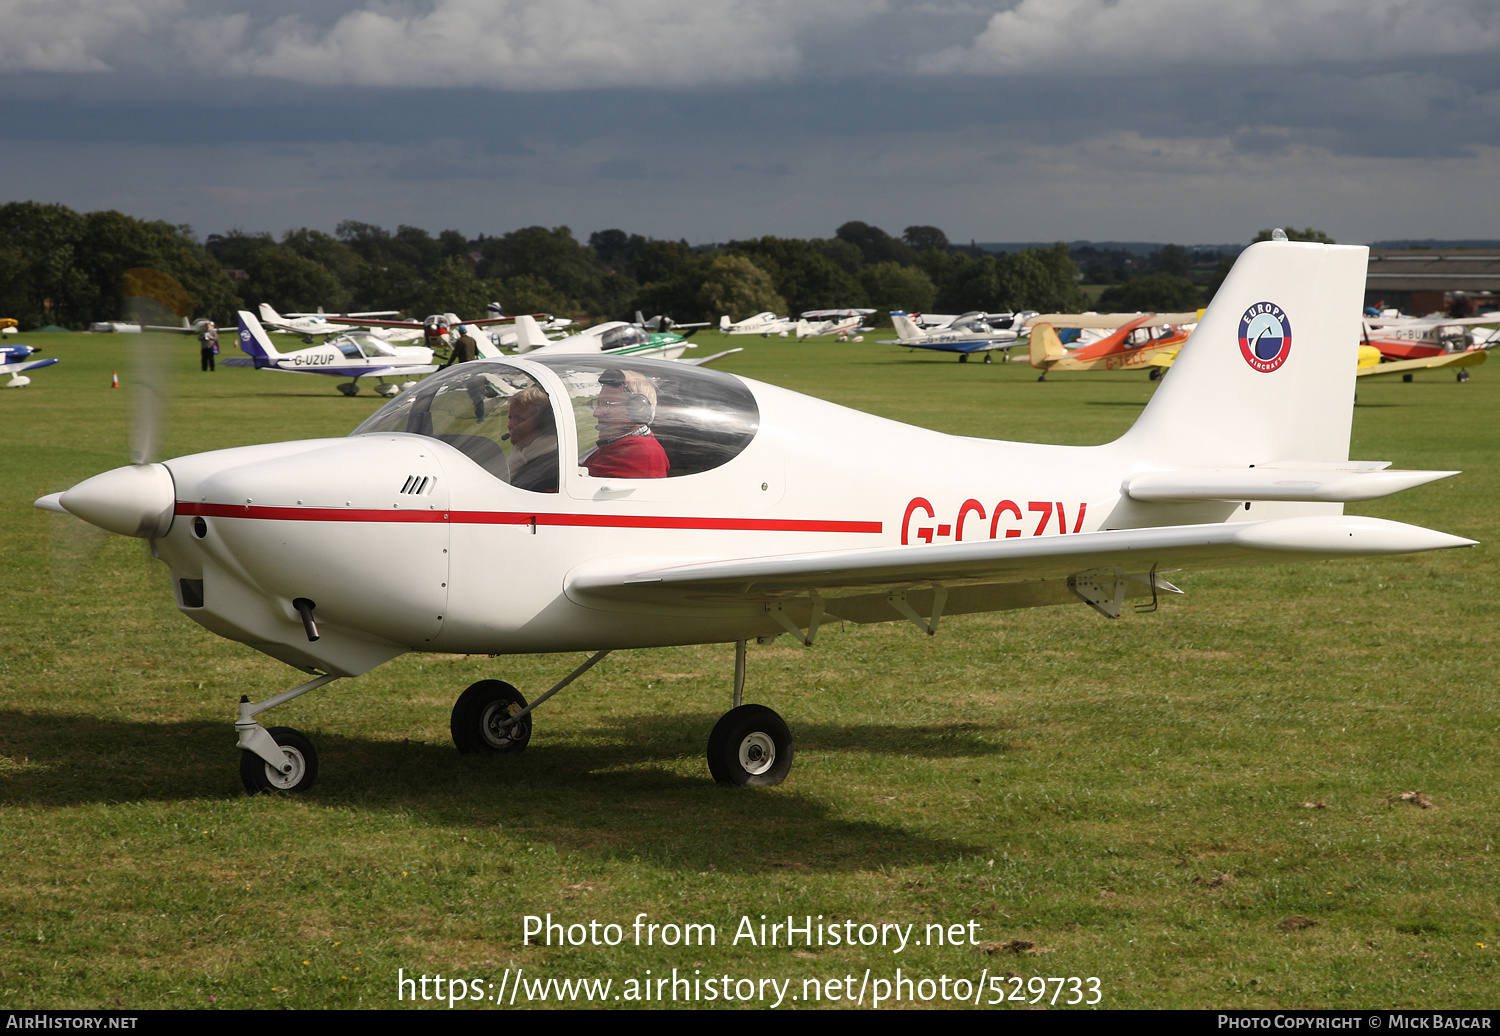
{"points": [[965, 335], [763, 324], [351, 356], [614, 337], [1418, 339], [1132, 347], [839, 323], [15, 359], [777, 513]]}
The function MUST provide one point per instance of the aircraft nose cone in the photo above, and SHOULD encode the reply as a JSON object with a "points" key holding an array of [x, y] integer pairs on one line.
{"points": [[133, 501]]}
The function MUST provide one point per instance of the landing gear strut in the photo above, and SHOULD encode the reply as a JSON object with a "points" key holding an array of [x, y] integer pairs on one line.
{"points": [[750, 745], [279, 759]]}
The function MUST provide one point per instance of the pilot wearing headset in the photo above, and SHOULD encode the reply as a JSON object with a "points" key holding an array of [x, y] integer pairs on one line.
{"points": [[623, 413]]}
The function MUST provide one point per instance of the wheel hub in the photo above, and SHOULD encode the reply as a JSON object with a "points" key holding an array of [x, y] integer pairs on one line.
{"points": [[296, 767], [757, 753]]}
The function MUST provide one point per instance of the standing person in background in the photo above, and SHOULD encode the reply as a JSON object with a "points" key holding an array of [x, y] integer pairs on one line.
{"points": [[208, 345]]}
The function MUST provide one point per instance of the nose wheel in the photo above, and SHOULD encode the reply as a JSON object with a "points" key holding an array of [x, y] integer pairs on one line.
{"points": [[750, 745], [296, 774]]}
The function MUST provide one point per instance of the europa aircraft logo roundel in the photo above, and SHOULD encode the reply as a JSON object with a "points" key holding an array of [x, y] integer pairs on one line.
{"points": [[1265, 336]]}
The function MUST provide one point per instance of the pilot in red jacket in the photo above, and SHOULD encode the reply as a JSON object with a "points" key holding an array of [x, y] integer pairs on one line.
{"points": [[623, 413]]}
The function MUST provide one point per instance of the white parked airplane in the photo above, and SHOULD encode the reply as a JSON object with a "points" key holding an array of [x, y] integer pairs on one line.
{"points": [[578, 503], [16, 359], [965, 335], [763, 324], [351, 356], [612, 338]]}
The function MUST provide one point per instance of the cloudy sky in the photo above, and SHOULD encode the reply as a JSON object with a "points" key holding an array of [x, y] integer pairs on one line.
{"points": [[998, 120]]}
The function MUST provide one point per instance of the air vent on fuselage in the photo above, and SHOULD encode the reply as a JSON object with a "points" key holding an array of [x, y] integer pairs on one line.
{"points": [[418, 485]]}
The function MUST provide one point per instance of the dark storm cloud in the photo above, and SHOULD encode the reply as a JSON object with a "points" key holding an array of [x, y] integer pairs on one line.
{"points": [[711, 118]]}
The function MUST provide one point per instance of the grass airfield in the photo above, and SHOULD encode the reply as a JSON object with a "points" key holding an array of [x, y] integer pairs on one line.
{"points": [[1201, 807]]}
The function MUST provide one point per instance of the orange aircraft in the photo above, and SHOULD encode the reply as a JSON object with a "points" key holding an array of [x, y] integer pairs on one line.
{"points": [[1131, 347]]}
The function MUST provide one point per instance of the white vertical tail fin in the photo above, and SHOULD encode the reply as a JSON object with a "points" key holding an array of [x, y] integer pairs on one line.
{"points": [[1268, 375], [529, 334], [905, 326]]}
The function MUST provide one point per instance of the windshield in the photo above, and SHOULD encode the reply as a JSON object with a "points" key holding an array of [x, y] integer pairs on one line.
{"points": [[496, 415]]}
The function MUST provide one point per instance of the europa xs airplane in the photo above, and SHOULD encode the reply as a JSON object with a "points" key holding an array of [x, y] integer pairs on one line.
{"points": [[516, 493], [351, 356]]}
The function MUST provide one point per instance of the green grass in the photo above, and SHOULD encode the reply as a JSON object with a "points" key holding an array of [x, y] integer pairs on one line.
{"points": [[1146, 801]]}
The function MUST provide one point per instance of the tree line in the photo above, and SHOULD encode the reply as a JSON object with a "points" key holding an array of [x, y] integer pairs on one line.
{"points": [[61, 267]]}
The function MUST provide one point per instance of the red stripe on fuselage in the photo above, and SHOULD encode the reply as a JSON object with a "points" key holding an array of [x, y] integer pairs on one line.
{"points": [[609, 521]]}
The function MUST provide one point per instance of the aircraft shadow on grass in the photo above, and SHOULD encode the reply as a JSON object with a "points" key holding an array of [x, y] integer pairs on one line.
{"points": [[596, 792]]}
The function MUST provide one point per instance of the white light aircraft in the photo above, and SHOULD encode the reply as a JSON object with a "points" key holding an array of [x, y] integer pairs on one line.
{"points": [[965, 335], [612, 338], [351, 356], [763, 324], [769, 512], [840, 323], [317, 325]]}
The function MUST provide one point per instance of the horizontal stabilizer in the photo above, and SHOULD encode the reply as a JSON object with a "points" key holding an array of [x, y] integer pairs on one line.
{"points": [[1281, 482]]}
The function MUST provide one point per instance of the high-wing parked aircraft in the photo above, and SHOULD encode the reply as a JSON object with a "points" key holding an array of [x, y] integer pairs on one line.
{"points": [[763, 324], [351, 356], [839, 323], [965, 335], [591, 503], [1134, 346]]}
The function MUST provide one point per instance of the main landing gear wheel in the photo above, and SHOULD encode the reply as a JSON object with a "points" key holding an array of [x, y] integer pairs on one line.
{"points": [[963, 357], [988, 358], [349, 388], [750, 745], [258, 776], [478, 714]]}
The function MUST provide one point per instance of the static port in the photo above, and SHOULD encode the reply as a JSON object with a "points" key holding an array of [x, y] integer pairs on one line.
{"points": [[200, 527]]}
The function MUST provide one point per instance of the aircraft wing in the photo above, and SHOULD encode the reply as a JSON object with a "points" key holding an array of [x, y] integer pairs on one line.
{"points": [[1464, 359], [710, 359], [396, 372], [26, 365], [1113, 320], [861, 585]]}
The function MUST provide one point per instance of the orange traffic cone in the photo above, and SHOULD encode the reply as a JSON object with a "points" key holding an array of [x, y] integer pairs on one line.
{"points": [[114, 379]]}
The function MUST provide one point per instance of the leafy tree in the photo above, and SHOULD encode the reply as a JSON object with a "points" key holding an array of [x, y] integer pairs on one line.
{"points": [[618, 250], [1153, 293], [528, 293], [923, 238], [554, 255], [734, 285], [1033, 278], [874, 244], [1173, 259], [453, 288], [283, 278], [333, 255], [893, 286], [803, 274], [57, 266], [233, 250]]}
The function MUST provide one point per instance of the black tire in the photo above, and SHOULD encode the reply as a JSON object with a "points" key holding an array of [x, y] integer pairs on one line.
{"points": [[259, 778], [750, 745], [963, 357], [988, 358], [1154, 374], [476, 716]]}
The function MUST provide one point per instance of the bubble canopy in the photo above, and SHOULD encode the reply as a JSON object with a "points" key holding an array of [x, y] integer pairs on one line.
{"points": [[493, 412]]}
